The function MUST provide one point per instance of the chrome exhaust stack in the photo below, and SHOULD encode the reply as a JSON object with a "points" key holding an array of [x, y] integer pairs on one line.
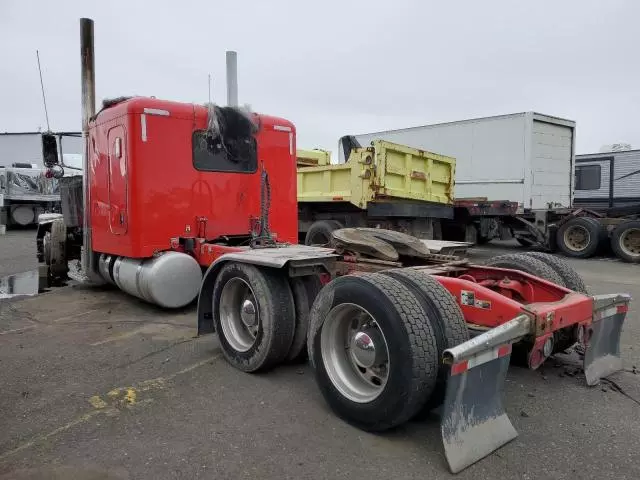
{"points": [[88, 82]]}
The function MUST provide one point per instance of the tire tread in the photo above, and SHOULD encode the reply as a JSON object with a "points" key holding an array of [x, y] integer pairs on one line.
{"points": [[527, 264]]}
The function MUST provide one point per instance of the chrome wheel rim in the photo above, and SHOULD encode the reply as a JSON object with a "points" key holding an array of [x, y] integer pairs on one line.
{"points": [[577, 238], [355, 353], [239, 316], [630, 242]]}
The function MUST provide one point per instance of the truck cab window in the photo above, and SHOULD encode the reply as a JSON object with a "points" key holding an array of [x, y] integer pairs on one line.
{"points": [[588, 177], [228, 145]]}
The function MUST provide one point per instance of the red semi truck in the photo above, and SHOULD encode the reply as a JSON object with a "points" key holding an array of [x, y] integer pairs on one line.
{"points": [[184, 201]]}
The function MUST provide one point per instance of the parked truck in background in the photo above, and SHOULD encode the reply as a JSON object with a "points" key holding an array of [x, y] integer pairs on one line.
{"points": [[392, 186], [383, 185], [526, 158], [26, 190]]}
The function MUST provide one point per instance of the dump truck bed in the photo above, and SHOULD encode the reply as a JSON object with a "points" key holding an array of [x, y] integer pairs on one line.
{"points": [[382, 172], [525, 157]]}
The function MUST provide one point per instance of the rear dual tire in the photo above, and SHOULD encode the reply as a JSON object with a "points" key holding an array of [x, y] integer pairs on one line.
{"points": [[528, 264], [261, 316], [570, 278], [554, 270], [254, 315], [625, 241], [580, 237], [305, 291], [401, 340], [443, 313], [374, 340]]}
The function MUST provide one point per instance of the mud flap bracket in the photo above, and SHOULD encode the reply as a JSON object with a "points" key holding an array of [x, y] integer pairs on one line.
{"points": [[602, 353], [474, 422]]}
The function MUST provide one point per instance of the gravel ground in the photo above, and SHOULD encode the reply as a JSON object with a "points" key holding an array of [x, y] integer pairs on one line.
{"points": [[98, 385]]}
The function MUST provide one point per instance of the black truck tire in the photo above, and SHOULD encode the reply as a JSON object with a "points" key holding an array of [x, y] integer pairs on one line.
{"points": [[264, 341], [405, 333], [56, 251], [572, 280], [445, 316], [528, 264], [625, 241], [298, 350], [579, 237], [548, 268], [313, 284], [320, 232]]}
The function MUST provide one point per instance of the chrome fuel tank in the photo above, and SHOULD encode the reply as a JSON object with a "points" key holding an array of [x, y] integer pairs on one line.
{"points": [[170, 279]]}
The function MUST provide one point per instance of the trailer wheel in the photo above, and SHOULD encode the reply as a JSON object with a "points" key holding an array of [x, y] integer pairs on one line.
{"points": [[579, 237], [300, 291], [254, 315], [625, 241], [373, 350], [320, 232], [528, 264], [445, 315], [570, 278], [54, 247]]}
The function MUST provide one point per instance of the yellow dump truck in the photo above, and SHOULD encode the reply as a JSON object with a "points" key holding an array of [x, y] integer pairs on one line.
{"points": [[385, 185]]}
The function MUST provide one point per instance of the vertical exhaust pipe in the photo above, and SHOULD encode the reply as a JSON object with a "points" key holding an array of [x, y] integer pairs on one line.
{"points": [[87, 72], [232, 78]]}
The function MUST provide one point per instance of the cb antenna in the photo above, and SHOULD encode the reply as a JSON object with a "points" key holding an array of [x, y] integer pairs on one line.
{"points": [[44, 99], [209, 88]]}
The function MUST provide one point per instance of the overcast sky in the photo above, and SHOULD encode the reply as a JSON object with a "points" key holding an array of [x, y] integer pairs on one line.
{"points": [[337, 67]]}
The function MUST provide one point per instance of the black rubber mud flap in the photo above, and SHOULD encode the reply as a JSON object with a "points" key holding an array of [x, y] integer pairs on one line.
{"points": [[602, 354], [474, 422]]}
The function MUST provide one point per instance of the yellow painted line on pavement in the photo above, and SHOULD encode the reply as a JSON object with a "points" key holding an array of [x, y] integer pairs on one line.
{"points": [[46, 436], [130, 399], [97, 403], [130, 396]]}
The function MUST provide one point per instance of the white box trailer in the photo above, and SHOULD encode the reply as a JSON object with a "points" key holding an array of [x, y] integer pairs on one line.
{"points": [[526, 158]]}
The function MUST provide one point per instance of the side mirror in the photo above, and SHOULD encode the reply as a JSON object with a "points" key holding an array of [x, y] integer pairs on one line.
{"points": [[49, 150]]}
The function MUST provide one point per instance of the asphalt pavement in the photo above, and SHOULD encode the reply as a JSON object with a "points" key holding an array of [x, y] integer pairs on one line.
{"points": [[18, 251], [95, 384]]}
